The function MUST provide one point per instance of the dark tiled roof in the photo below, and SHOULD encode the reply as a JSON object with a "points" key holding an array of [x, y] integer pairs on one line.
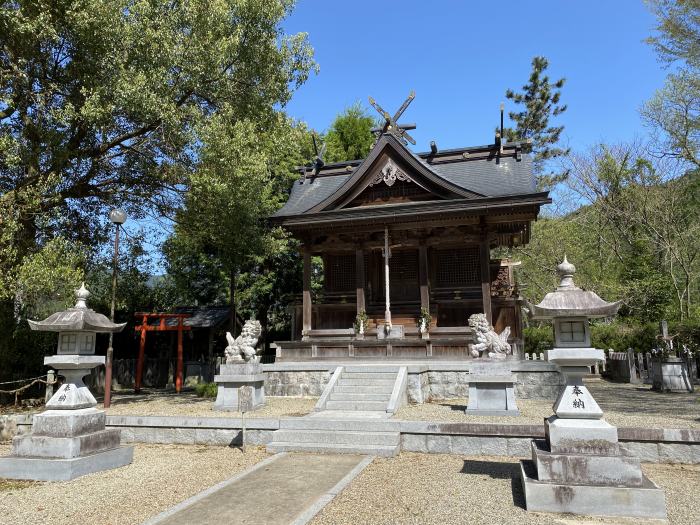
{"points": [[487, 175], [491, 177], [202, 316], [307, 193]]}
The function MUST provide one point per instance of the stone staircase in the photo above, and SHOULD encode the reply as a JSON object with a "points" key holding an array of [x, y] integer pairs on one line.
{"points": [[336, 436], [351, 416]]}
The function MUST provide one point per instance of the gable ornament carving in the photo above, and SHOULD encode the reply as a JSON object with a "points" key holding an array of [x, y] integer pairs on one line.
{"points": [[389, 174]]}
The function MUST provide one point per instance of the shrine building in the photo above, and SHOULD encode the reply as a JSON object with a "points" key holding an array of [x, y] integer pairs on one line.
{"points": [[398, 232]]}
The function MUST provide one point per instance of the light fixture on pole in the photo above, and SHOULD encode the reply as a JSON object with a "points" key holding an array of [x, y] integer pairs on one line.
{"points": [[118, 217]]}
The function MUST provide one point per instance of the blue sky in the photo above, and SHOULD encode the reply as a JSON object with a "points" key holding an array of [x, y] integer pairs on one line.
{"points": [[460, 57]]}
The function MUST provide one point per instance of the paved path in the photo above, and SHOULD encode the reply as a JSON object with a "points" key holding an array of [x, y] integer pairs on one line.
{"points": [[284, 489]]}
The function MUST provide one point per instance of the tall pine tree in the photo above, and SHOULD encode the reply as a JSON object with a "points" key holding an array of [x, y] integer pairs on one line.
{"points": [[540, 99]]}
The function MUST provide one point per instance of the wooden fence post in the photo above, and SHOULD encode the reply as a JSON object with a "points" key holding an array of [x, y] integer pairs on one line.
{"points": [[634, 378], [50, 378]]}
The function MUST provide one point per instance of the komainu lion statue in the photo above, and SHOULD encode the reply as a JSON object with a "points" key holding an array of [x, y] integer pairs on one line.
{"points": [[242, 348], [488, 342]]}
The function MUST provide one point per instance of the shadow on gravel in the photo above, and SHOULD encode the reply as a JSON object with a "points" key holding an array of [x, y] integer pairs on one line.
{"points": [[460, 408], [516, 488], [490, 468]]}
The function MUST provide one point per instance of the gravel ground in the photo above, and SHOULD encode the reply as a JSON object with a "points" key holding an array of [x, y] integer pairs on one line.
{"points": [[159, 477], [445, 489], [624, 405], [188, 404]]}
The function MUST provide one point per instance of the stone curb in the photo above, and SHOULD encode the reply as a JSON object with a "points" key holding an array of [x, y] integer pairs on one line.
{"points": [[472, 429], [655, 445], [635, 434], [193, 422], [324, 500], [197, 497]]}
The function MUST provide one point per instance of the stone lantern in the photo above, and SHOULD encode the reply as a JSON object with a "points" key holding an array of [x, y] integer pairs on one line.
{"points": [[69, 439], [579, 468]]}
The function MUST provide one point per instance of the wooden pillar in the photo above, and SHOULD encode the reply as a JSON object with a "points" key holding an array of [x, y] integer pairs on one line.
{"points": [[387, 286], [180, 364], [142, 355], [423, 276], [360, 278], [306, 295], [485, 260]]}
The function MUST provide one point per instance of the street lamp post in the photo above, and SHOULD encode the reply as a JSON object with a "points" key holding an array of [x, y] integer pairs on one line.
{"points": [[117, 217]]}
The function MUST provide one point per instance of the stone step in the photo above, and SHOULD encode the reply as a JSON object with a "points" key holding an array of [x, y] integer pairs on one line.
{"points": [[365, 382], [359, 424], [359, 389], [350, 415], [361, 396], [356, 405], [351, 369], [370, 450], [369, 375], [335, 437]]}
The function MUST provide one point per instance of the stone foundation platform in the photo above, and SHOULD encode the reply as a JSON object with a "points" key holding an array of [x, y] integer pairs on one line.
{"points": [[46, 469], [65, 444], [426, 380], [645, 501]]}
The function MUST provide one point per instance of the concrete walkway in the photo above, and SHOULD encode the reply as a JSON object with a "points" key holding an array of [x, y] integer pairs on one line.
{"points": [[283, 489]]}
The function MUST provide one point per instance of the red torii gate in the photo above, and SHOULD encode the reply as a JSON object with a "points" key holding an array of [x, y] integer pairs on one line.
{"points": [[144, 328]]}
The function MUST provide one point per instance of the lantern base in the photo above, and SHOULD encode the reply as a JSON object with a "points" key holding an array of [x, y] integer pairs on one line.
{"points": [[45, 469]]}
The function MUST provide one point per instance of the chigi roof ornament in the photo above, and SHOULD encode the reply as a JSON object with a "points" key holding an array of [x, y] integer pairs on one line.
{"points": [[391, 124]]}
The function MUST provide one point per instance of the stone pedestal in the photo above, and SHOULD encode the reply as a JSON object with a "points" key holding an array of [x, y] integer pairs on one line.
{"points": [[233, 376], [396, 332], [578, 468], [671, 375], [69, 439], [491, 390]]}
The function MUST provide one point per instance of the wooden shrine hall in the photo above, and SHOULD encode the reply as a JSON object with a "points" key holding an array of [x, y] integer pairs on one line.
{"points": [[399, 232]]}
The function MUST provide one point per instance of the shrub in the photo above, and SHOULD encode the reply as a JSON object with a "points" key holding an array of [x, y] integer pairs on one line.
{"points": [[538, 339], [206, 389], [618, 335]]}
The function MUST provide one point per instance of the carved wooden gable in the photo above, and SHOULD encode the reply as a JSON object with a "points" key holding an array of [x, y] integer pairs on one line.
{"points": [[391, 175]]}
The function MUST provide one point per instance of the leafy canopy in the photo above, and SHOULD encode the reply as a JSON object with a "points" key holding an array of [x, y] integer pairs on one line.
{"points": [[674, 111], [106, 102]]}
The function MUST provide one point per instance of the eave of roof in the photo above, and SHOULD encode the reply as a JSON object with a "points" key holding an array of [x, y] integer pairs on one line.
{"points": [[413, 210]]}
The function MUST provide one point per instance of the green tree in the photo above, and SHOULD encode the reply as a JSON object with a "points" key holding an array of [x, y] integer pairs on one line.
{"points": [[109, 102], [674, 110], [350, 136], [131, 103], [540, 99], [222, 243]]}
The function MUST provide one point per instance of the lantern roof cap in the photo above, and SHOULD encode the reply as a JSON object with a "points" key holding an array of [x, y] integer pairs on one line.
{"points": [[568, 300], [79, 318]]}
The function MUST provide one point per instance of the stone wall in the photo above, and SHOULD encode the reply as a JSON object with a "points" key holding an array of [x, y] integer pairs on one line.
{"points": [[538, 385], [418, 388], [296, 382], [426, 382]]}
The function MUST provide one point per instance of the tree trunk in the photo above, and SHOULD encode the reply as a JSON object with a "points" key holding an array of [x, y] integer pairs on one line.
{"points": [[232, 293]]}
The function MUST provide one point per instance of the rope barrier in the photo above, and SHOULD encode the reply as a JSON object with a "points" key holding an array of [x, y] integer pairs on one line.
{"points": [[22, 380], [18, 391]]}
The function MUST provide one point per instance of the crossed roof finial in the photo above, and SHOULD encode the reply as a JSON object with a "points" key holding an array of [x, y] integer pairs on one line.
{"points": [[391, 124]]}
